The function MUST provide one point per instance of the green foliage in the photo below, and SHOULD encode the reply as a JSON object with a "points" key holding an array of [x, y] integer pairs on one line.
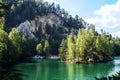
{"points": [[70, 47], [16, 40], [8, 51], [75, 46], [63, 49], [28, 48], [86, 42], [7, 48], [29, 9], [116, 44], [32, 9], [103, 44], [46, 48], [3, 7], [3, 43], [39, 48], [1, 15], [1, 22]]}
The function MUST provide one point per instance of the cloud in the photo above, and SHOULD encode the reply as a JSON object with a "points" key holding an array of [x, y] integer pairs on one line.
{"points": [[108, 16], [50, 1], [116, 34]]}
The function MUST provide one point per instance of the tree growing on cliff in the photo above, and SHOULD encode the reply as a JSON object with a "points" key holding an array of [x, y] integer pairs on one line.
{"points": [[39, 48], [46, 48]]}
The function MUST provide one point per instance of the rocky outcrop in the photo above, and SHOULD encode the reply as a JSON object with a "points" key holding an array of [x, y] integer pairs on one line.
{"points": [[29, 28], [26, 28], [50, 19]]}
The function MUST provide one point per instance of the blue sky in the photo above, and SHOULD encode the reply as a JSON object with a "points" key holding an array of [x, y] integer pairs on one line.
{"points": [[104, 14]]}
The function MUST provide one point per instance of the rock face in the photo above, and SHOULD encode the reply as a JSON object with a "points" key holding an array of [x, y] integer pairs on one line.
{"points": [[29, 28], [50, 19]]}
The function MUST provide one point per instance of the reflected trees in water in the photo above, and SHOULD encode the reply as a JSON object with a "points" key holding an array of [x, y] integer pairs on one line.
{"points": [[10, 74]]}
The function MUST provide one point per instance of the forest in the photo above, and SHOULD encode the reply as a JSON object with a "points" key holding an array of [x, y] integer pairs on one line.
{"points": [[86, 46], [71, 40]]}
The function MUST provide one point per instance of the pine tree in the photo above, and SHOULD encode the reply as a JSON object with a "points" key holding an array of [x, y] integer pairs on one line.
{"points": [[3, 43], [46, 48], [16, 39], [39, 48], [70, 46], [63, 49]]}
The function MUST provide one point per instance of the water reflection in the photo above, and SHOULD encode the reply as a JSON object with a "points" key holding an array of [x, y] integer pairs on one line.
{"points": [[56, 70], [50, 70], [117, 66], [88, 71], [10, 74]]}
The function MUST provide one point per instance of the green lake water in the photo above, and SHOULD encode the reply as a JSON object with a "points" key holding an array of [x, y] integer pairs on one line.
{"points": [[56, 70]]}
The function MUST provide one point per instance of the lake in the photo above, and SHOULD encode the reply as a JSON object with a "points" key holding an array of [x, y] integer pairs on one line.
{"points": [[56, 70]]}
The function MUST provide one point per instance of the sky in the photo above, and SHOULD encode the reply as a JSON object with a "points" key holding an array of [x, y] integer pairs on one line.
{"points": [[104, 14]]}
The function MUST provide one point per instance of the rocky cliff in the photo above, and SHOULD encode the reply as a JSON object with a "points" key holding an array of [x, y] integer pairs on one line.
{"points": [[29, 28]]}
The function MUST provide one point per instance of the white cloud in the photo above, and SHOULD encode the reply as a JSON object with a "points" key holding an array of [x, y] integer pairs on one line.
{"points": [[108, 16], [50, 1], [116, 34]]}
